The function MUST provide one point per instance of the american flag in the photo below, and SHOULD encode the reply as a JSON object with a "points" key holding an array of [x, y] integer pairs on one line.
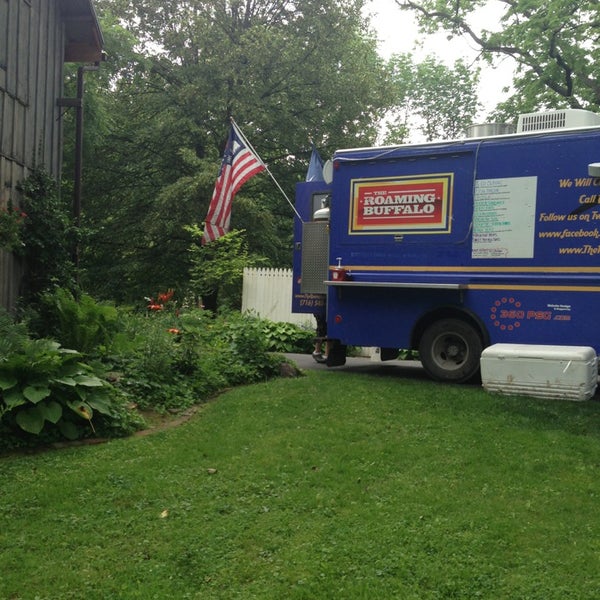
{"points": [[239, 164]]}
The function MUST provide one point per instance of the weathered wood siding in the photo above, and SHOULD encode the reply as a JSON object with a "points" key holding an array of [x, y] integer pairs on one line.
{"points": [[31, 80]]}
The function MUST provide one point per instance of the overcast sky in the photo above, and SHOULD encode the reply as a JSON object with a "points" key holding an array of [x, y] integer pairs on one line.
{"points": [[397, 32]]}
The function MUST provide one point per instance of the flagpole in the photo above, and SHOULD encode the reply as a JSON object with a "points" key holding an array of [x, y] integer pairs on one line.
{"points": [[245, 140]]}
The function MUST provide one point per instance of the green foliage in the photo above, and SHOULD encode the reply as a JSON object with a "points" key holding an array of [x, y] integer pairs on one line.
{"points": [[47, 391], [217, 268], [287, 337], [159, 361], [159, 121], [196, 333], [48, 237], [245, 350], [553, 44], [45, 385], [12, 335], [408, 354], [81, 323], [147, 371], [438, 100], [177, 361], [12, 221]]}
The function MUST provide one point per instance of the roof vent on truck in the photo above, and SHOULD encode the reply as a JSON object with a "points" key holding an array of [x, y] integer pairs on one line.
{"points": [[489, 129], [557, 119]]}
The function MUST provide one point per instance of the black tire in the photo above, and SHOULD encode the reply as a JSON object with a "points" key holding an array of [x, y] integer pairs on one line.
{"points": [[450, 350]]}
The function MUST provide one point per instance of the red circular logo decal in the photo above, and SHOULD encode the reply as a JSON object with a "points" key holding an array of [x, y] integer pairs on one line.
{"points": [[507, 314]]}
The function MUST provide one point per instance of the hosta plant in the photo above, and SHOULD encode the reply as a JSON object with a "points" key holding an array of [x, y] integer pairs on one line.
{"points": [[287, 337], [45, 385]]}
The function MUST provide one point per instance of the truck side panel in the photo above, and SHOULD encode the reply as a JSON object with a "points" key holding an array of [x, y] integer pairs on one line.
{"points": [[506, 229]]}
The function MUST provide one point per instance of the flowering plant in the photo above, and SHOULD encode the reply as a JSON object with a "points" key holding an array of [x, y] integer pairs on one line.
{"points": [[11, 225], [161, 301]]}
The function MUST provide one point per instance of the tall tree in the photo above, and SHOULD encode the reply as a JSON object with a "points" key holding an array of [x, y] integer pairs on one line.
{"points": [[287, 72], [554, 43], [437, 100]]}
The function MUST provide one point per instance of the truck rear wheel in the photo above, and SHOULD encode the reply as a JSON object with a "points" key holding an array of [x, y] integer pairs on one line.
{"points": [[450, 350]]}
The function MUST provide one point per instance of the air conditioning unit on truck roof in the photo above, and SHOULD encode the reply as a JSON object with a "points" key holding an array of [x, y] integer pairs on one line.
{"points": [[557, 119]]}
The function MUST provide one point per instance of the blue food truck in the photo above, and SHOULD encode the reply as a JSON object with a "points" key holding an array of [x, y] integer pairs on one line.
{"points": [[449, 247]]}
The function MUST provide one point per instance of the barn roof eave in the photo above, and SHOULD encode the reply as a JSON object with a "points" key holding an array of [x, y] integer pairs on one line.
{"points": [[83, 36]]}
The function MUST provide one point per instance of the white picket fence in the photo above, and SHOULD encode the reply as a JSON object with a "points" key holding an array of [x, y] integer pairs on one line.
{"points": [[268, 293]]}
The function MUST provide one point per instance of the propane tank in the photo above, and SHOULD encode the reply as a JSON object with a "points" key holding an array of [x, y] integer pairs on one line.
{"points": [[322, 214]]}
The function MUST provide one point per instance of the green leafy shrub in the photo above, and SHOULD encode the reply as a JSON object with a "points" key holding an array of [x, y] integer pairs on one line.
{"points": [[195, 332], [47, 393], [408, 355], [147, 369], [177, 361], [199, 356], [216, 272], [12, 335], [12, 221], [245, 351], [287, 337], [164, 367], [164, 361], [46, 387], [82, 323], [48, 236]]}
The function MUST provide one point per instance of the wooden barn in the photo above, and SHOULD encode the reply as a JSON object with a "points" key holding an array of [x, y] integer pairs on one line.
{"points": [[37, 37]]}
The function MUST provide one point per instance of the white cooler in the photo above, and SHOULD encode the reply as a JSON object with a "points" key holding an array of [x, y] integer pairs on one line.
{"points": [[561, 372]]}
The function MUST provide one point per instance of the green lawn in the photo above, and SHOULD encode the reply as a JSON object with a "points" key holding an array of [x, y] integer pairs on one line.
{"points": [[334, 485]]}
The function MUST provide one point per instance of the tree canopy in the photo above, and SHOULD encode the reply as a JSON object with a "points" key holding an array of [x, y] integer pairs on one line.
{"points": [[554, 43], [157, 118], [429, 97], [287, 72]]}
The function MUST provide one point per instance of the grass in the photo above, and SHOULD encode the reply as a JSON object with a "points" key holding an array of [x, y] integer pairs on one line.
{"points": [[334, 485]]}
